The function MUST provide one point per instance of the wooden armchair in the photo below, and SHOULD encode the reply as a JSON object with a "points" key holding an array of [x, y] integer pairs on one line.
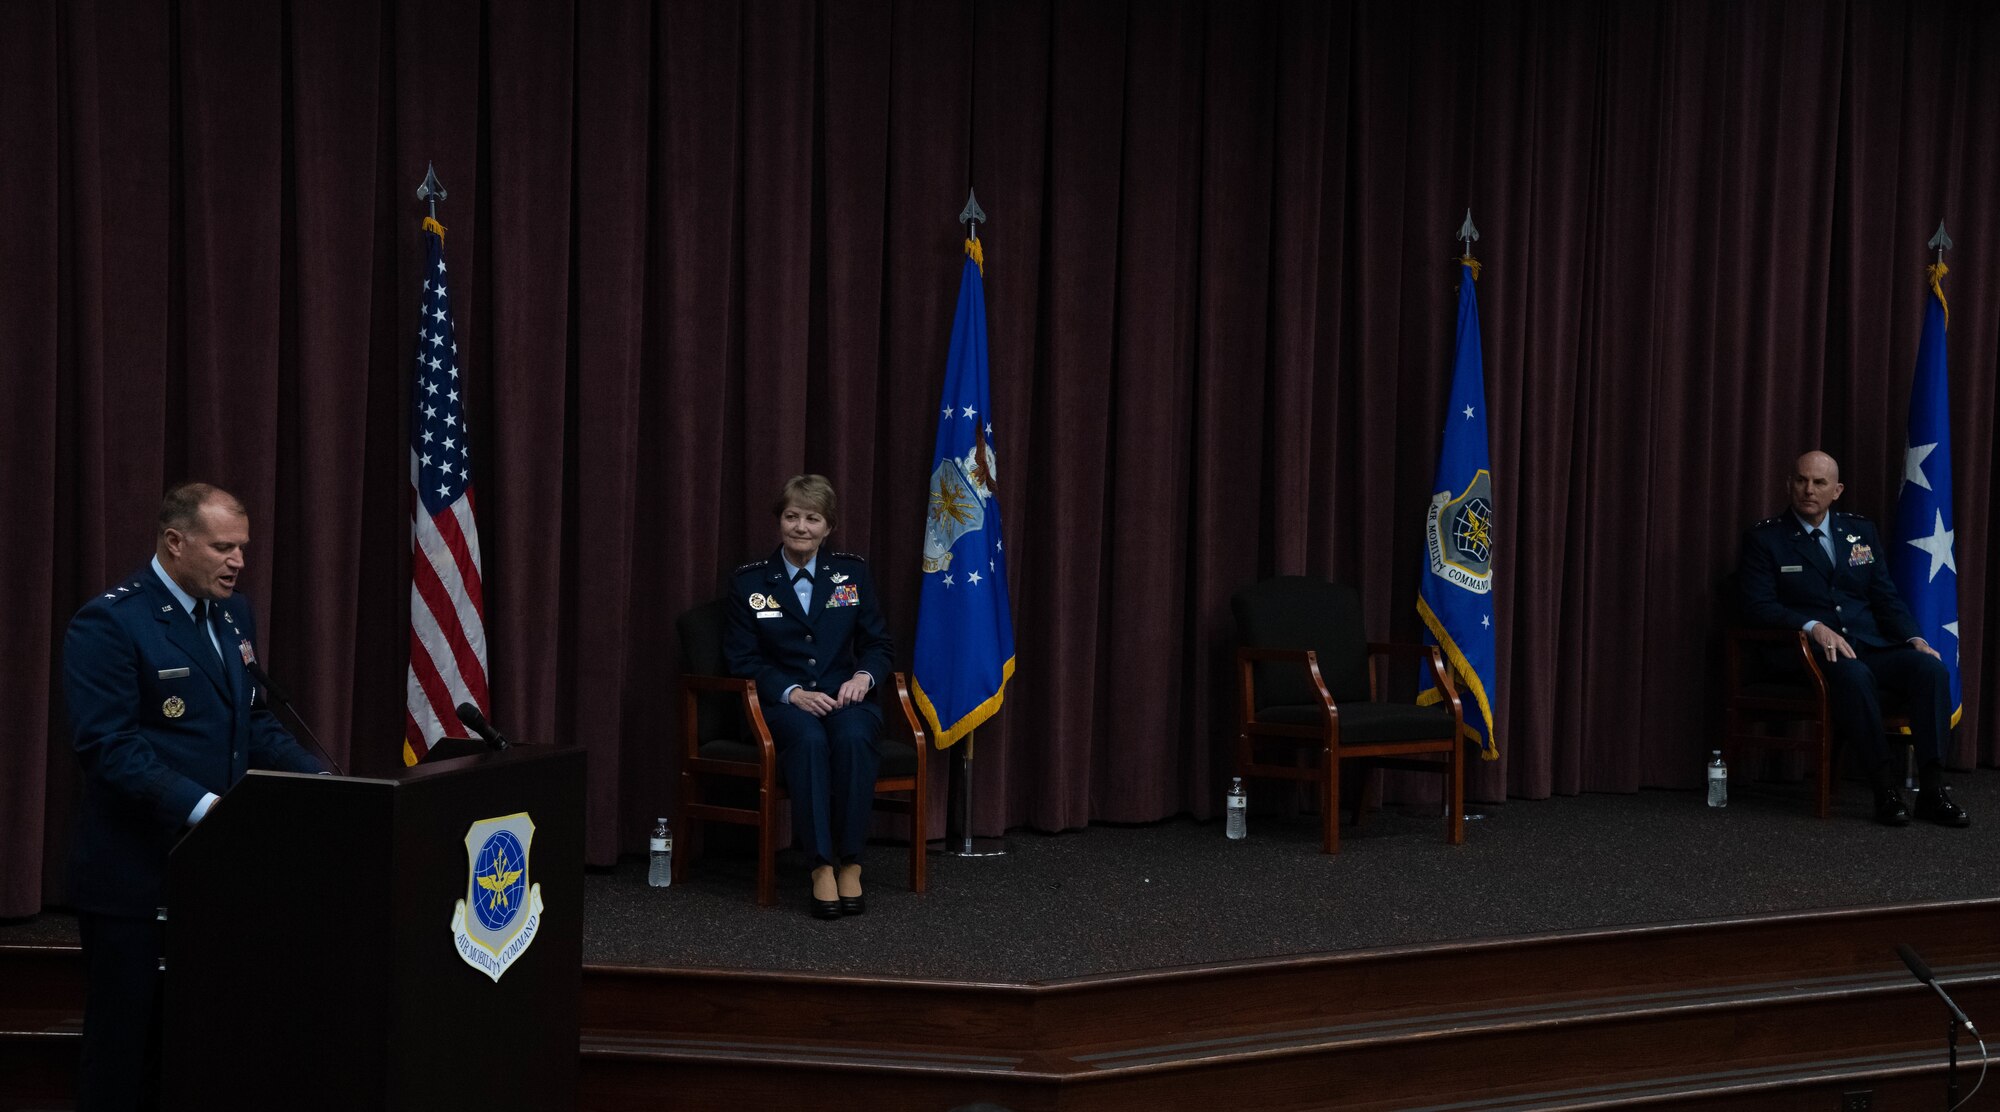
{"points": [[1309, 681], [1772, 678], [728, 744]]}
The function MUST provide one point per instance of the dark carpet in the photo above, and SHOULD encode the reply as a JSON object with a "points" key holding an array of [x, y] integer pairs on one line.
{"points": [[1122, 898]]}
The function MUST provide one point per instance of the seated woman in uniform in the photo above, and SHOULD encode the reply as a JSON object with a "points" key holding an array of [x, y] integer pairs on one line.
{"points": [[806, 625]]}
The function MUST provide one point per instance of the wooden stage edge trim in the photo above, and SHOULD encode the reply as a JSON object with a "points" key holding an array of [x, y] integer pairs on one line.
{"points": [[1727, 1013]]}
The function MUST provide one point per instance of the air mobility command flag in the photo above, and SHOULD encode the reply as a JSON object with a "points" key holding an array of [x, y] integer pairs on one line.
{"points": [[1455, 592]]}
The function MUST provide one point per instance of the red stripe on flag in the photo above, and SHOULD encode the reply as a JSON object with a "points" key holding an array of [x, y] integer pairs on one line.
{"points": [[461, 555], [444, 616], [436, 692]]}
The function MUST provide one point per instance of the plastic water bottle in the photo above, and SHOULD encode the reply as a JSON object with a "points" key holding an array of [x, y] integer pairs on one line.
{"points": [[1238, 810], [1718, 781], [660, 873]]}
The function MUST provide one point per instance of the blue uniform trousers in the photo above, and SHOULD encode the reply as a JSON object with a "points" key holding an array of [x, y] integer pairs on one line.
{"points": [[1853, 693], [829, 766], [120, 1069]]}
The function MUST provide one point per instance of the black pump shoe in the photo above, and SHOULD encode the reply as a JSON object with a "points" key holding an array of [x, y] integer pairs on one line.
{"points": [[824, 909], [853, 905]]}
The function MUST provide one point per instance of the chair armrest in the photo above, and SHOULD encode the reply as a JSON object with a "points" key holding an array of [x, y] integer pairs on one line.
{"points": [[693, 686], [1302, 656], [1736, 637], [1246, 656], [719, 683], [919, 736], [1428, 654]]}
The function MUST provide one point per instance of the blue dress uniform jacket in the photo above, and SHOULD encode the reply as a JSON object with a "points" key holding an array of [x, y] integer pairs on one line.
{"points": [[770, 640], [157, 721], [1787, 581]]}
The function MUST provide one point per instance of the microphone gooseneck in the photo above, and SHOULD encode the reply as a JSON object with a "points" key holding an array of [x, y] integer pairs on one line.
{"points": [[278, 694]]}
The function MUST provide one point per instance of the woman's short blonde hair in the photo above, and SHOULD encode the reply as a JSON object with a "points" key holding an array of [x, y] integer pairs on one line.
{"points": [[811, 492]]}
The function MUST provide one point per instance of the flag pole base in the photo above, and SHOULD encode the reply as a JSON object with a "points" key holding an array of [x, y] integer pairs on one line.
{"points": [[971, 847], [958, 838]]}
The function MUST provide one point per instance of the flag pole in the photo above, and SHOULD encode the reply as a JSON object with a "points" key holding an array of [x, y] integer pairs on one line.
{"points": [[958, 838], [1468, 234]]}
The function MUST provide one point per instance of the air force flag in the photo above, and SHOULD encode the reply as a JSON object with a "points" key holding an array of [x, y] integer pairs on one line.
{"points": [[965, 625], [1455, 592], [1927, 577]]}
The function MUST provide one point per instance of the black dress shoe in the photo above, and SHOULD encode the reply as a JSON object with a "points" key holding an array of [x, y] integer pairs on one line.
{"points": [[853, 905], [1889, 809], [1936, 806], [830, 909]]}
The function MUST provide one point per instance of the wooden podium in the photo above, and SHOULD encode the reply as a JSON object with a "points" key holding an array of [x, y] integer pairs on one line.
{"points": [[312, 960]]}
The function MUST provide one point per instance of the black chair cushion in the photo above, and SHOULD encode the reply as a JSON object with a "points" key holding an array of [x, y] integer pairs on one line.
{"points": [[899, 758], [701, 639], [717, 714], [1363, 723], [1298, 612], [1892, 703], [730, 749]]}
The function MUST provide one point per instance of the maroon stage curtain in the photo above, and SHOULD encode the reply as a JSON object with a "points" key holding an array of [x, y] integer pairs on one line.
{"points": [[699, 247]]}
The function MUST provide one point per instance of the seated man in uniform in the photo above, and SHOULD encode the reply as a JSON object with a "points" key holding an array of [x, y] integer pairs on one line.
{"points": [[1824, 572]]}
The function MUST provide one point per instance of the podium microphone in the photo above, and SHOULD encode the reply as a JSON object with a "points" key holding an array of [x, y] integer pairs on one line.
{"points": [[274, 691], [1923, 973], [477, 723]]}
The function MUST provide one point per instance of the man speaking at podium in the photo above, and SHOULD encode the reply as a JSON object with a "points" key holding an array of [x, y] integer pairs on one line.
{"points": [[164, 717]]}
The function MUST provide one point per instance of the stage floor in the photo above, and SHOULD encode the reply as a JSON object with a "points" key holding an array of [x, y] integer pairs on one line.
{"points": [[1118, 899]]}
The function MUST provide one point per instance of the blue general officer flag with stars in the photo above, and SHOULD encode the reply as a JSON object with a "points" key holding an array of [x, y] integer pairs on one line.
{"points": [[1455, 592], [1927, 578], [965, 626]]}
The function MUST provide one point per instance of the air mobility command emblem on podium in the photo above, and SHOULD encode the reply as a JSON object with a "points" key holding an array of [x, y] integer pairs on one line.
{"points": [[502, 910], [1459, 535]]}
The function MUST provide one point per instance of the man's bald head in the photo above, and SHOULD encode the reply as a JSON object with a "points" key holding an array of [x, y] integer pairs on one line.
{"points": [[1817, 460], [1814, 484]]}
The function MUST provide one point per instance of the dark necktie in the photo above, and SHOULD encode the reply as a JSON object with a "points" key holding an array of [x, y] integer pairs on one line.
{"points": [[804, 574], [201, 616], [1825, 549]]}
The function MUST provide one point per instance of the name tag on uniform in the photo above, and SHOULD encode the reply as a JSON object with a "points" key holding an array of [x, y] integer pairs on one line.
{"points": [[1792, 567], [770, 613], [173, 673]]}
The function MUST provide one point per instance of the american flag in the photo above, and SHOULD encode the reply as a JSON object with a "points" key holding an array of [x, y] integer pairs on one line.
{"points": [[447, 608]]}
